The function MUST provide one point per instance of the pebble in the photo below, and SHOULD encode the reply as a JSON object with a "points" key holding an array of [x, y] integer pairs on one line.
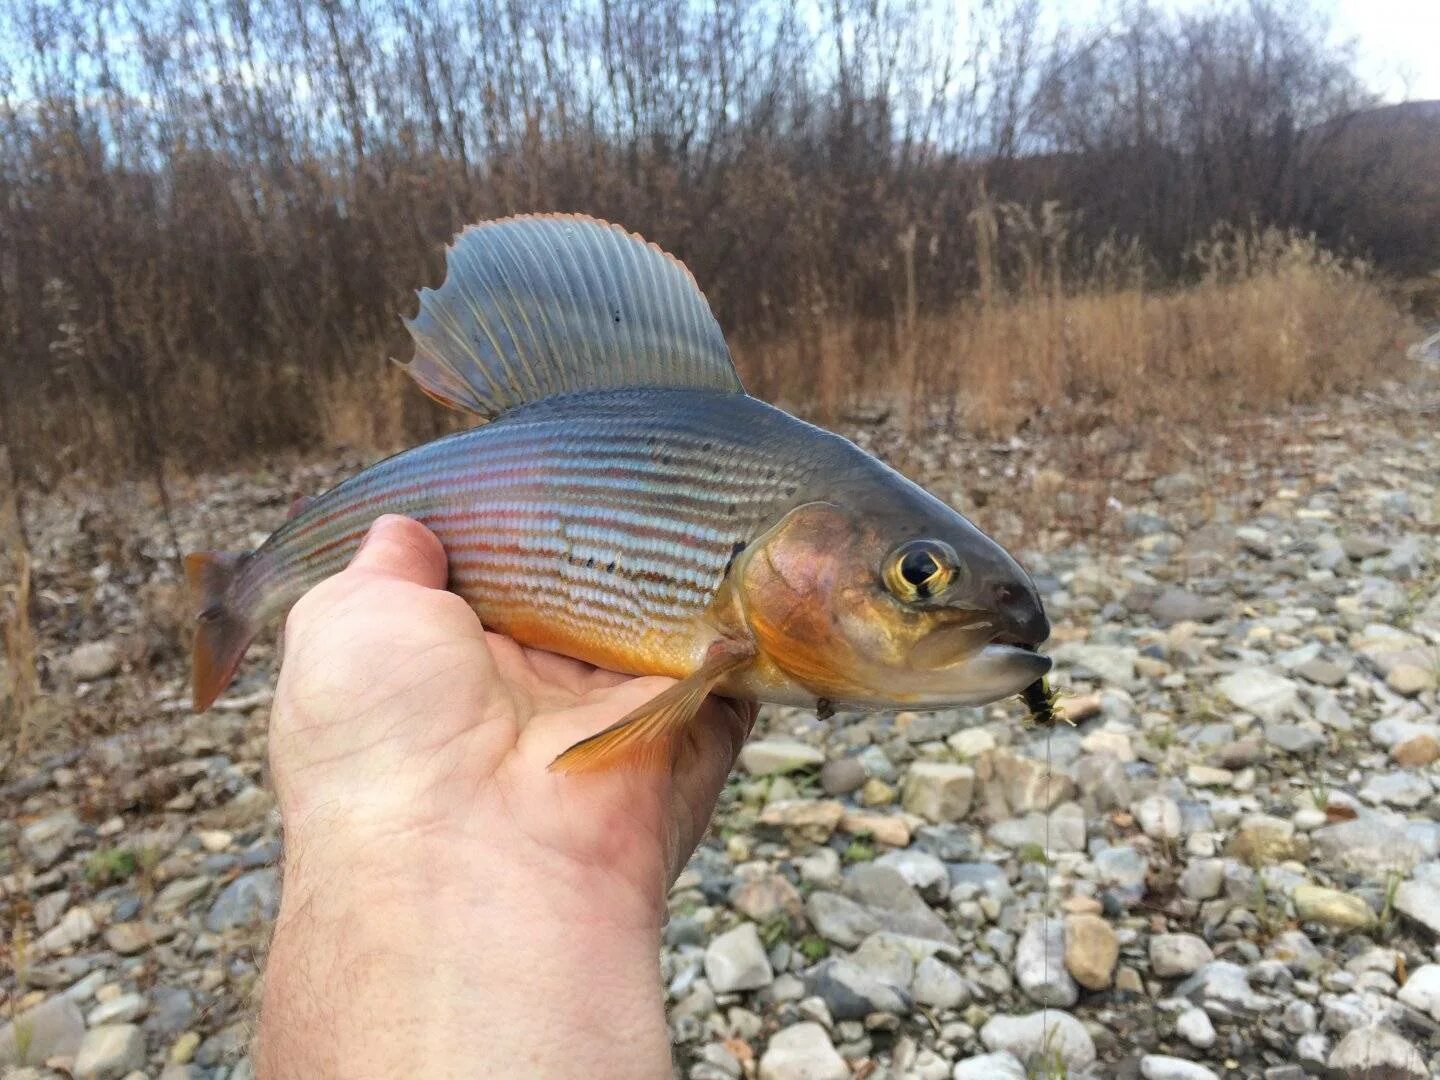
{"points": [[802, 1052], [938, 791], [1045, 1032], [737, 960], [1379, 1053], [1161, 1067], [110, 1052], [1040, 965], [1176, 955], [771, 757], [1332, 908], [1091, 951], [1001, 1066]]}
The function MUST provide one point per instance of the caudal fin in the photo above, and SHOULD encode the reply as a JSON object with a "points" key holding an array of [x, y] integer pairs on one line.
{"points": [[221, 633]]}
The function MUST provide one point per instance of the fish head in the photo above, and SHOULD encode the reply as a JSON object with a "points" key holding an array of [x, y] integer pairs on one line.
{"points": [[902, 604]]}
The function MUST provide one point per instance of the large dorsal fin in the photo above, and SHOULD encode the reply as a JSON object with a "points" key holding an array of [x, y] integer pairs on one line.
{"points": [[557, 303]]}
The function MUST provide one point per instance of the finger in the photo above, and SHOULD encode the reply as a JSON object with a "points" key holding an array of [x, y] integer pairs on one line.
{"points": [[402, 548]]}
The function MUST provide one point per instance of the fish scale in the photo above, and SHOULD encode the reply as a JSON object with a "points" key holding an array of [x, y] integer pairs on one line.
{"points": [[614, 512], [628, 504]]}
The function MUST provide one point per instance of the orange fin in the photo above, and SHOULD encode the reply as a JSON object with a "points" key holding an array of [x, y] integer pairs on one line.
{"points": [[221, 633], [642, 739]]}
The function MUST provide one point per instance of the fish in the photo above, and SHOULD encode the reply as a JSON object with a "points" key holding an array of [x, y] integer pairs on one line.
{"points": [[623, 501]]}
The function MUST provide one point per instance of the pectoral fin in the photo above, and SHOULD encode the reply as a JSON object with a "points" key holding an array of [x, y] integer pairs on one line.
{"points": [[642, 739]]}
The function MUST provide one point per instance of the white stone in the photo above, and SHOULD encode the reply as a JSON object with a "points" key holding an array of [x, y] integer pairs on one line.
{"points": [[110, 1052], [768, 757], [1002, 1066], [1196, 1028], [1261, 692], [938, 791], [1160, 1067], [802, 1052], [736, 960], [1174, 955], [1422, 990], [1047, 1031]]}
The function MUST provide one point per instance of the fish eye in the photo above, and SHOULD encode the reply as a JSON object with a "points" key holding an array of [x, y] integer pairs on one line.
{"points": [[920, 569]]}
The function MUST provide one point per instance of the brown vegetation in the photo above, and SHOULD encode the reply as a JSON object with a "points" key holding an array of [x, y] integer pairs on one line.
{"points": [[214, 213]]}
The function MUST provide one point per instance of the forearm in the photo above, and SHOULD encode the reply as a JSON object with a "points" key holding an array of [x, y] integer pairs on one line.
{"points": [[402, 963]]}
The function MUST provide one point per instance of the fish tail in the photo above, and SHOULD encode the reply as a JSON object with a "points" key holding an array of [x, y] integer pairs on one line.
{"points": [[222, 631]]}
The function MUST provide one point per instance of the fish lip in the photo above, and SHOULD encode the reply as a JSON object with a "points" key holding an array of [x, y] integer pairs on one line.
{"points": [[999, 649]]}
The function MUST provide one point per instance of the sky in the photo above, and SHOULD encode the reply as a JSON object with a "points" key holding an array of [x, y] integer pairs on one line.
{"points": [[1398, 43]]}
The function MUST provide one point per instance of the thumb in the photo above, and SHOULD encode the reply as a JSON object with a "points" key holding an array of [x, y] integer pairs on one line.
{"points": [[400, 547]]}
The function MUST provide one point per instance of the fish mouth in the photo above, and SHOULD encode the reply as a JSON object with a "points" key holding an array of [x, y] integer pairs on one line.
{"points": [[1001, 667]]}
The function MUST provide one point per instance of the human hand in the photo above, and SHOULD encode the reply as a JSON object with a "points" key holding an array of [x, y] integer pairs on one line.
{"points": [[409, 749]]}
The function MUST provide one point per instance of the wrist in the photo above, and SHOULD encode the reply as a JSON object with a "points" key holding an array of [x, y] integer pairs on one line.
{"points": [[471, 962]]}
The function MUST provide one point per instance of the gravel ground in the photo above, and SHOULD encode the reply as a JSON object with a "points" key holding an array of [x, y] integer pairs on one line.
{"points": [[1230, 865]]}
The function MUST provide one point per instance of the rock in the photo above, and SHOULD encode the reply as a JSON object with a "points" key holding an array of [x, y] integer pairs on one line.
{"points": [[1040, 965], [180, 894], [736, 960], [110, 1052], [1176, 605], [75, 927], [1040, 1034], [1195, 1027], [1261, 692], [1176, 955], [1409, 680], [1001, 1066], [1262, 840], [1224, 983], [895, 903], [812, 820], [769, 757], [120, 1010], [1404, 789], [93, 660], [1417, 751], [1112, 665], [1091, 951], [1329, 907], [852, 993], [1123, 870], [1420, 900], [1158, 817], [766, 897], [1160, 1067], [839, 919], [1367, 845], [172, 1010], [889, 829], [921, 870], [129, 938], [53, 1028], [1294, 738], [1321, 672], [1376, 1053], [842, 776], [938, 791], [43, 842], [938, 986], [249, 900], [1422, 990], [1202, 879], [802, 1052]]}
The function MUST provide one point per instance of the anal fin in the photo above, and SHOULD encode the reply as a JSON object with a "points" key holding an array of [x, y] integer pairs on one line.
{"points": [[643, 738]]}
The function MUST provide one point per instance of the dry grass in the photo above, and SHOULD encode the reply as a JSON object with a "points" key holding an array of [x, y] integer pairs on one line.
{"points": [[19, 672], [1273, 320]]}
